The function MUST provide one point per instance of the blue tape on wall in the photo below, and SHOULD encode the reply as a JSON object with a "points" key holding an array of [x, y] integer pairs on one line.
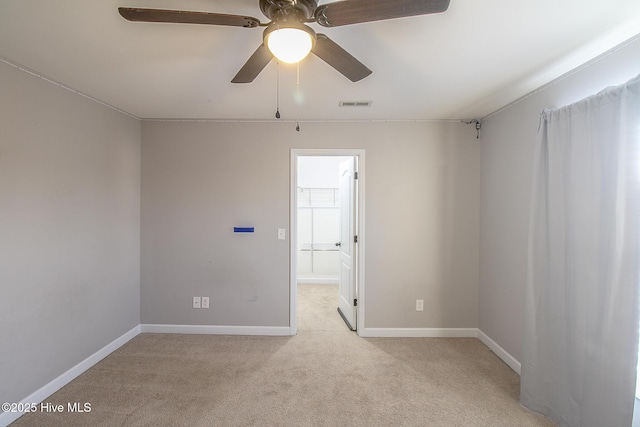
{"points": [[243, 229]]}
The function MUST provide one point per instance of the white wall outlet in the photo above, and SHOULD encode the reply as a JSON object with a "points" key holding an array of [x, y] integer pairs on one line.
{"points": [[282, 234], [419, 305], [205, 302], [196, 302]]}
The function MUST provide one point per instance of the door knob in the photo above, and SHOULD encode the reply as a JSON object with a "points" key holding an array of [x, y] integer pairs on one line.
{"points": [[338, 244]]}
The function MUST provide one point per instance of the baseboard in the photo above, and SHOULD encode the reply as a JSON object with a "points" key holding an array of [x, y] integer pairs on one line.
{"points": [[217, 330], [418, 332], [47, 390], [511, 361]]}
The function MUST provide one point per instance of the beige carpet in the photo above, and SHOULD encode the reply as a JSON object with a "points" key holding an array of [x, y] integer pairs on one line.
{"points": [[324, 376]]}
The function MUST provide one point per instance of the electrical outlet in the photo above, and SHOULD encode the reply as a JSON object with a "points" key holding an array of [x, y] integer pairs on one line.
{"points": [[205, 302], [196, 302], [419, 305]]}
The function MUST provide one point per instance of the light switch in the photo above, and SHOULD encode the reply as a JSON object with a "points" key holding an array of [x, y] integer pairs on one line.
{"points": [[282, 233]]}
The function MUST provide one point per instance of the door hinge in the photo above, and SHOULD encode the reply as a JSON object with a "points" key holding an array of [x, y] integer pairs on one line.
{"points": [[355, 175], [355, 302], [355, 239]]}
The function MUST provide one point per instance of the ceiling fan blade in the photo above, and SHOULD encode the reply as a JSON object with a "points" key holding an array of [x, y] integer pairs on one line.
{"points": [[357, 11], [186, 17], [256, 63], [331, 53]]}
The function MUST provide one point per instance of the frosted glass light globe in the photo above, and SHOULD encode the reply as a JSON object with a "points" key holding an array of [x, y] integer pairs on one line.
{"points": [[290, 45]]}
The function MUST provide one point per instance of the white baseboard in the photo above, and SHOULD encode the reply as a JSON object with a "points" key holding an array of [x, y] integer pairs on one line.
{"points": [[217, 330], [418, 332], [511, 361], [47, 390]]}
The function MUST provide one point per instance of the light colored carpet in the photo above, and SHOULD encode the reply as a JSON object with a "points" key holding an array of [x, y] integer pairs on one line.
{"points": [[324, 376]]}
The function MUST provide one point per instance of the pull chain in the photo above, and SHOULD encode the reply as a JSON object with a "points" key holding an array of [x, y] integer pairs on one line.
{"points": [[277, 89], [298, 94]]}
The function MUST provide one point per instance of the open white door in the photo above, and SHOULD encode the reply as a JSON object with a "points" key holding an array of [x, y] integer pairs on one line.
{"points": [[348, 295]]}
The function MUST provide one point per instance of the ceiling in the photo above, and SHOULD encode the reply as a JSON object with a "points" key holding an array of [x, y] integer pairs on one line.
{"points": [[462, 64]]}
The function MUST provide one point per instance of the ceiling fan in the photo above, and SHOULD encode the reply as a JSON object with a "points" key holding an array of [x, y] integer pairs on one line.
{"points": [[288, 19]]}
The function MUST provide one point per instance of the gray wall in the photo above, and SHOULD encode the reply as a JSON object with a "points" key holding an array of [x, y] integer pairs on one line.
{"points": [[69, 230], [508, 140], [200, 179]]}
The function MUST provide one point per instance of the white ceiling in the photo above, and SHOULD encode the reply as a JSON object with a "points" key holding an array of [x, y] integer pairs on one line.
{"points": [[462, 64]]}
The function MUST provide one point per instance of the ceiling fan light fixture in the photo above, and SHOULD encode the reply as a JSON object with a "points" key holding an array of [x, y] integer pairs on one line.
{"points": [[290, 43]]}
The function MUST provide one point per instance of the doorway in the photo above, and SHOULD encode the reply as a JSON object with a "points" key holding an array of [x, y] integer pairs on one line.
{"points": [[327, 228], [318, 224]]}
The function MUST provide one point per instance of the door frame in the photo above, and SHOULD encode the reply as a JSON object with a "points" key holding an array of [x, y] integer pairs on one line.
{"points": [[359, 230]]}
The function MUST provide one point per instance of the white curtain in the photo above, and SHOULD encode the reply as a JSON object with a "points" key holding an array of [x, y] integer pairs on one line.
{"points": [[581, 313]]}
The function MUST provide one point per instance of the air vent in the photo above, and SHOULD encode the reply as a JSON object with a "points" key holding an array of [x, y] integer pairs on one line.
{"points": [[355, 103]]}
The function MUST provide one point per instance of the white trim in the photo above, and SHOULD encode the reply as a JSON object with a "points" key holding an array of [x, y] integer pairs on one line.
{"points": [[511, 361], [507, 358], [281, 121], [293, 242], [419, 332], [56, 384], [362, 239], [359, 153], [216, 330]]}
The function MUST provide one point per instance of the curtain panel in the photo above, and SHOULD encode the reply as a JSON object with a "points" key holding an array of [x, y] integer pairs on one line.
{"points": [[580, 342]]}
